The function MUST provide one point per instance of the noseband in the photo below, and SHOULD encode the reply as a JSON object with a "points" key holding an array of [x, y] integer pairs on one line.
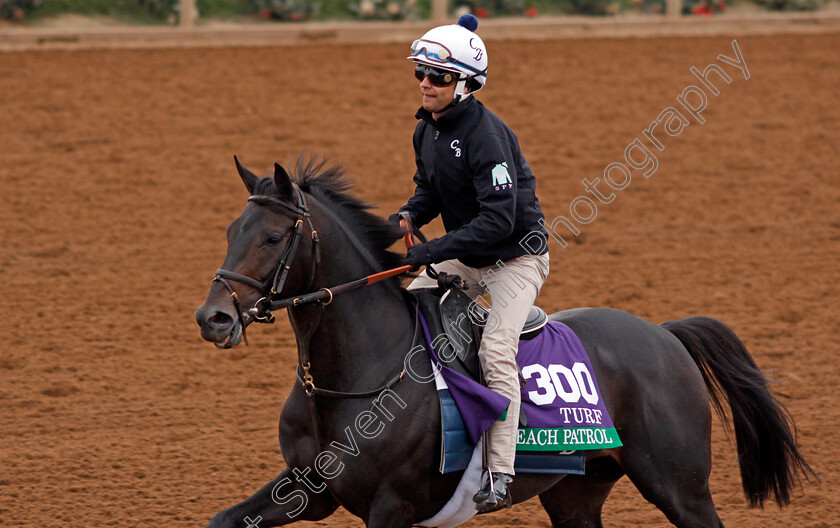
{"points": [[273, 285]]}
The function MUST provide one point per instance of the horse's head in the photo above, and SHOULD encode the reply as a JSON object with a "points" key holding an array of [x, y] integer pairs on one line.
{"points": [[271, 233]]}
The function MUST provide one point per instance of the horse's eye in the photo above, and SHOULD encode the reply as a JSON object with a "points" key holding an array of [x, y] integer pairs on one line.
{"points": [[273, 240]]}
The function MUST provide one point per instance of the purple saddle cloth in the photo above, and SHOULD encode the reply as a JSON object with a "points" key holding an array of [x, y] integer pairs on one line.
{"points": [[562, 404]]}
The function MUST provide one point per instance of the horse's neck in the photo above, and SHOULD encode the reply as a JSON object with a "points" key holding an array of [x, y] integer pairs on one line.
{"points": [[362, 336]]}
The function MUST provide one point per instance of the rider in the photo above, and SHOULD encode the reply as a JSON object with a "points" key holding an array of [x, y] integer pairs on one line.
{"points": [[471, 171]]}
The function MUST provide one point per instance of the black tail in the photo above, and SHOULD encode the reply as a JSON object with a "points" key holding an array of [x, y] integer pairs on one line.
{"points": [[764, 430]]}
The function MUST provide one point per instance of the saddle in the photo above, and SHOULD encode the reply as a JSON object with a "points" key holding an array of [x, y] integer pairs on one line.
{"points": [[457, 325], [451, 313]]}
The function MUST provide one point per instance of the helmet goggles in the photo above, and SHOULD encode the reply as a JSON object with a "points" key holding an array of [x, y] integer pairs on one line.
{"points": [[433, 51], [437, 76], [438, 53]]}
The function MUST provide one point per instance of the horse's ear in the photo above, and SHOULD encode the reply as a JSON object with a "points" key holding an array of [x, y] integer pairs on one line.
{"points": [[283, 182], [248, 178]]}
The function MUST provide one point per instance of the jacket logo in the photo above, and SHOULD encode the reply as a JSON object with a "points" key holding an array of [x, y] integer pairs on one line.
{"points": [[501, 177], [454, 146], [478, 51]]}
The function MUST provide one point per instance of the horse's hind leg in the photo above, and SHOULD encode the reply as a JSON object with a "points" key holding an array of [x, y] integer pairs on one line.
{"points": [[676, 481], [576, 501]]}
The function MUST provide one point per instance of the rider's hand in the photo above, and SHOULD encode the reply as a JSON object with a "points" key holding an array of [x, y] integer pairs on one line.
{"points": [[418, 255], [397, 220]]}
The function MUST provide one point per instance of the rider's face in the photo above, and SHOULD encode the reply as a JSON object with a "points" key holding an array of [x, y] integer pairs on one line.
{"points": [[436, 98]]}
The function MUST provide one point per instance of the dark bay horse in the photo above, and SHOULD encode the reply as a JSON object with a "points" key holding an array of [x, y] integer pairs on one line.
{"points": [[376, 453]]}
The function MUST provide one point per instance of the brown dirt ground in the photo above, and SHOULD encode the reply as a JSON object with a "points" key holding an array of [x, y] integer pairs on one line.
{"points": [[118, 181]]}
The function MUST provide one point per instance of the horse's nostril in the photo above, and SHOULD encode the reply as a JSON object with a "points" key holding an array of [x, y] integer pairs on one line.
{"points": [[220, 319]]}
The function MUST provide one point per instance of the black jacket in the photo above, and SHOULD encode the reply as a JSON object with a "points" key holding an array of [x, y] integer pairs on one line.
{"points": [[470, 171]]}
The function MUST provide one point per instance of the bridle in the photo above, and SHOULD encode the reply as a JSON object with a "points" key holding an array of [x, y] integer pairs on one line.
{"points": [[270, 288], [273, 285]]}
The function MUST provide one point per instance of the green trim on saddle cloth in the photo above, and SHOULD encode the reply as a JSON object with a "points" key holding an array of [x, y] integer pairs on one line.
{"points": [[567, 439]]}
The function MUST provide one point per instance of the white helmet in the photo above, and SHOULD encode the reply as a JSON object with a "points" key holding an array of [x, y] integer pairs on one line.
{"points": [[455, 48]]}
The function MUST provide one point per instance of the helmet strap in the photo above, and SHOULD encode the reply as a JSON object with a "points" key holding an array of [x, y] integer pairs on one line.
{"points": [[461, 92], [461, 87]]}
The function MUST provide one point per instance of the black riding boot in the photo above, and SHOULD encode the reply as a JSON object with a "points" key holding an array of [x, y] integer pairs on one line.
{"points": [[493, 497]]}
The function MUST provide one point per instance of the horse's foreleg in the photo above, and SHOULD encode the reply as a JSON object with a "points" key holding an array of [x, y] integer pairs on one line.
{"points": [[286, 499]]}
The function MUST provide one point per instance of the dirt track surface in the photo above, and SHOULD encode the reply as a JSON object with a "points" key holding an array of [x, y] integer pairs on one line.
{"points": [[118, 181]]}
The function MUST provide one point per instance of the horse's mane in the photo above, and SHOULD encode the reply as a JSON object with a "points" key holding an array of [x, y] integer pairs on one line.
{"points": [[331, 186]]}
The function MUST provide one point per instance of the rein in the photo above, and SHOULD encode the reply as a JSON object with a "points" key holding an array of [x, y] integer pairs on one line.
{"points": [[329, 293], [261, 311]]}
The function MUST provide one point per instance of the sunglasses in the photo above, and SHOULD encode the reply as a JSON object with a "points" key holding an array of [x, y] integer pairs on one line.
{"points": [[436, 77]]}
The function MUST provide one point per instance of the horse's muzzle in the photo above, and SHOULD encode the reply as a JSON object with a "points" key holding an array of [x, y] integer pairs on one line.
{"points": [[219, 327]]}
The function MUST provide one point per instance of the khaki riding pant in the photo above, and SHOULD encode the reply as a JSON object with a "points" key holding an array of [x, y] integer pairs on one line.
{"points": [[512, 287]]}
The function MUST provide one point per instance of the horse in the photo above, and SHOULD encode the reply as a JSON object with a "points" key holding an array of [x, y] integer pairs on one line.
{"points": [[356, 431]]}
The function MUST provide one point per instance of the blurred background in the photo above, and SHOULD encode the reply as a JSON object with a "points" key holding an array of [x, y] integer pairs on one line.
{"points": [[120, 120], [203, 12]]}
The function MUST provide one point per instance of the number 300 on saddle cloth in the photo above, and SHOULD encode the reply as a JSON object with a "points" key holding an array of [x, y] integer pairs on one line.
{"points": [[562, 403], [562, 407]]}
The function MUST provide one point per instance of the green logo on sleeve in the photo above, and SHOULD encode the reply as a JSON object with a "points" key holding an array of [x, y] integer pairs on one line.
{"points": [[501, 177]]}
